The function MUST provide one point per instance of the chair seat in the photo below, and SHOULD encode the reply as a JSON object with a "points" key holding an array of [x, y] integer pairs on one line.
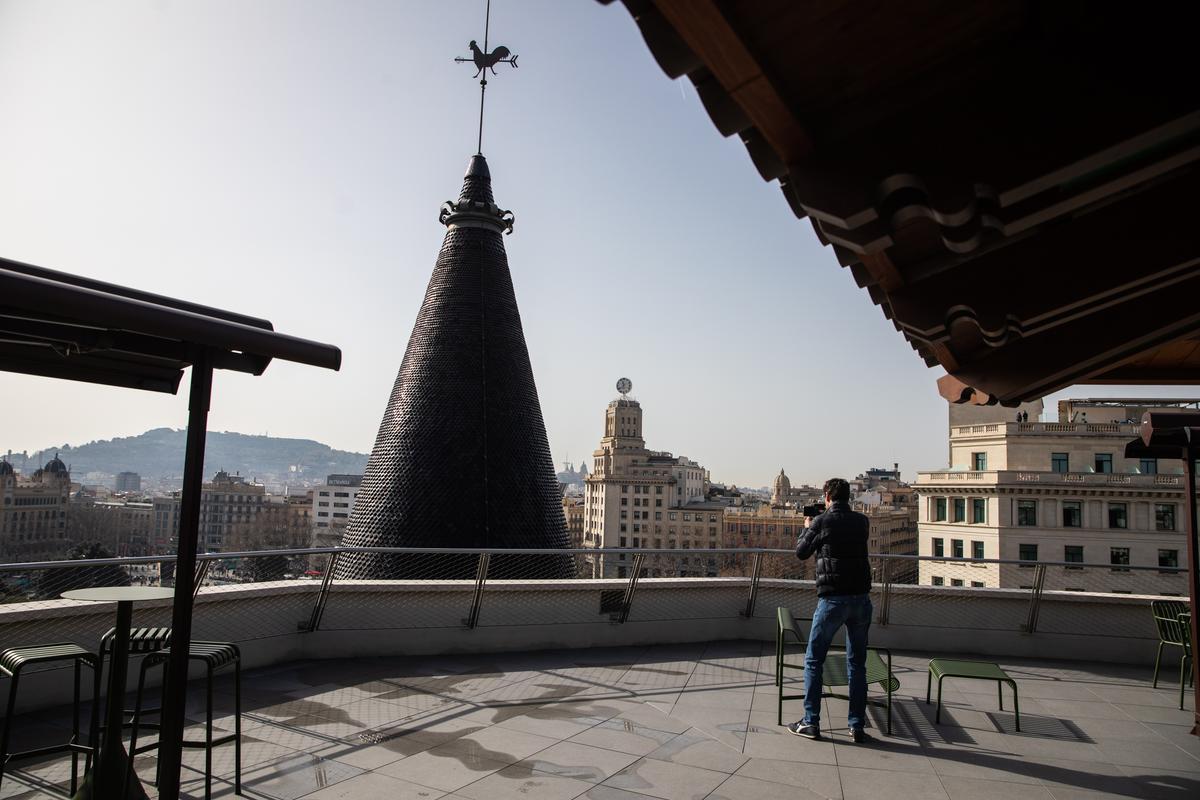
{"points": [[14, 658], [214, 654], [955, 668]]}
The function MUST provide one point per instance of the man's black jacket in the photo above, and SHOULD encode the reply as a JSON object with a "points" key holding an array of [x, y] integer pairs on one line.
{"points": [[838, 538]]}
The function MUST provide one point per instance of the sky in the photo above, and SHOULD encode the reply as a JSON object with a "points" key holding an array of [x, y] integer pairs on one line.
{"points": [[287, 158]]}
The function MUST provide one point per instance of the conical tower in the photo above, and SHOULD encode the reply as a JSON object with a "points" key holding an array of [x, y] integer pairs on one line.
{"points": [[461, 458]]}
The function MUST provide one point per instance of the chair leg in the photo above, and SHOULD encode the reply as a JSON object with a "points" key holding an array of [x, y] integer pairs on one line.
{"points": [[1000, 693], [938, 717], [928, 686], [136, 722], [237, 727], [12, 704], [75, 731], [208, 745], [1157, 661], [1016, 705], [1183, 664]]}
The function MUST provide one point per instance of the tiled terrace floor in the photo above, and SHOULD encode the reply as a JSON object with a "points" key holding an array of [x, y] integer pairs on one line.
{"points": [[675, 722]]}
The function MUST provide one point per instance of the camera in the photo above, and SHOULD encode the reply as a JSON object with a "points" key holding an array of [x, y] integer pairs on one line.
{"points": [[813, 509]]}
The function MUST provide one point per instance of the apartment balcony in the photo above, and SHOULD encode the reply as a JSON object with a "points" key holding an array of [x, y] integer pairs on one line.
{"points": [[631, 689], [1011, 476], [1125, 430]]}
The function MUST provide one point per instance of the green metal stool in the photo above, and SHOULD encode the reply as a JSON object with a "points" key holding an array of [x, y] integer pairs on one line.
{"points": [[214, 656], [15, 659]]}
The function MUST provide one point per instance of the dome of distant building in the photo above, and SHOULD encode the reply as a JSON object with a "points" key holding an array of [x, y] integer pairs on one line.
{"points": [[55, 466], [780, 489], [5, 468]]}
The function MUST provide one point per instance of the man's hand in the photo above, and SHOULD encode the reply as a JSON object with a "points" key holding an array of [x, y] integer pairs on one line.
{"points": [[808, 522]]}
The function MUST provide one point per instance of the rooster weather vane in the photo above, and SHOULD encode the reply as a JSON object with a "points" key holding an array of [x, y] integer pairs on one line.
{"points": [[484, 61]]}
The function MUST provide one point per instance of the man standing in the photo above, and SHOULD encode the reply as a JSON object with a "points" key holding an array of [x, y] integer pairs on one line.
{"points": [[838, 538]]}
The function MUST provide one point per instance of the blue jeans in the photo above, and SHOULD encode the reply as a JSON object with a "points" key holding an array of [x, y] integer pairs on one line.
{"points": [[854, 611]]}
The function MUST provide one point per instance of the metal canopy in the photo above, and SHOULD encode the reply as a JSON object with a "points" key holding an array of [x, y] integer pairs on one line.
{"points": [[65, 326]]}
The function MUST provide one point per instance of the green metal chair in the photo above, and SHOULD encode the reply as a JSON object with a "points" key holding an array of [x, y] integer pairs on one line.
{"points": [[1166, 620], [834, 671], [1185, 623]]}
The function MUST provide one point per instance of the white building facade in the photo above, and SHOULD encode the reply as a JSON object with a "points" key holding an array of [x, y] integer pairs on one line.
{"points": [[1055, 492]]}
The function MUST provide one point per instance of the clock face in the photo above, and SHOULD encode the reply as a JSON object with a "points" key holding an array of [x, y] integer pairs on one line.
{"points": [[624, 385]]}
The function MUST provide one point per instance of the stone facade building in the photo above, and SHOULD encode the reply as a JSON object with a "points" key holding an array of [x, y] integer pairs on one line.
{"points": [[33, 513], [1056, 492], [636, 497]]}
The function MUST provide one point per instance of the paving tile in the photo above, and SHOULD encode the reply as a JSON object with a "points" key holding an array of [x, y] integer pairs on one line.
{"points": [[817, 779], [882, 756], [787, 747], [739, 787], [557, 723], [872, 784], [1160, 784], [650, 717], [624, 736], [443, 770], [666, 781], [960, 788], [699, 750], [292, 777], [1140, 753], [603, 792], [499, 744], [372, 785], [518, 782], [580, 761]]}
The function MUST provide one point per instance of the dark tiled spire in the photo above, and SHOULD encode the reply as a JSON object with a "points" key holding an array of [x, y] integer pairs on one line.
{"points": [[462, 458]]}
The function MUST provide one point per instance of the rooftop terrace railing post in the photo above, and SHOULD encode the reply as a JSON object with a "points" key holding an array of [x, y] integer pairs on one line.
{"points": [[201, 573], [752, 598], [174, 696], [885, 593], [631, 589], [477, 598], [318, 611], [1035, 598]]}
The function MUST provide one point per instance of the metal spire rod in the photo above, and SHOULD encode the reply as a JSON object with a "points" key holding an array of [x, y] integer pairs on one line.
{"points": [[483, 61]]}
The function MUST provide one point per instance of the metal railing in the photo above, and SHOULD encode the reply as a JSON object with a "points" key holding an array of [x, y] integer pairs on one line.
{"points": [[290, 592]]}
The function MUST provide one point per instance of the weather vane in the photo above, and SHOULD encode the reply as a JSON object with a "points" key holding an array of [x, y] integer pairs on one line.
{"points": [[483, 61]]}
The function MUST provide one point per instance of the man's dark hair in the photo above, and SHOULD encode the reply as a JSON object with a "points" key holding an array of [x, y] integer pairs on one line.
{"points": [[838, 489]]}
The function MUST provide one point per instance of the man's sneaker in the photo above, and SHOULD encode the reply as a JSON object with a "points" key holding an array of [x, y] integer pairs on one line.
{"points": [[805, 730], [859, 736]]}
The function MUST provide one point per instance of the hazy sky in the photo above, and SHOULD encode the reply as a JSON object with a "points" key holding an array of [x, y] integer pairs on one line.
{"points": [[287, 160]]}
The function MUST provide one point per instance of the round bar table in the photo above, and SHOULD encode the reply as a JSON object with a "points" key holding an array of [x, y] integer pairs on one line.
{"points": [[107, 778]]}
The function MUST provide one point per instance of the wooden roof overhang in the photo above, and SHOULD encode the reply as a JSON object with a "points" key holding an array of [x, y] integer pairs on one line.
{"points": [[1013, 183]]}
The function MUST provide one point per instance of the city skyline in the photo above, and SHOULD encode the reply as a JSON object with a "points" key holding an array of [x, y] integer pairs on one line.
{"points": [[324, 224]]}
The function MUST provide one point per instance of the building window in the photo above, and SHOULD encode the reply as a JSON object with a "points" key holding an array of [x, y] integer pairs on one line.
{"points": [[978, 461], [1104, 462], [672, 515], [1059, 462], [977, 550], [624, 501], [939, 547], [976, 584], [956, 582], [1118, 515], [960, 509], [1164, 516], [978, 510], [1168, 558], [658, 515], [938, 580], [1027, 552], [1148, 466], [939, 509], [1119, 558], [625, 488], [956, 548], [1073, 554], [1027, 512], [1072, 514]]}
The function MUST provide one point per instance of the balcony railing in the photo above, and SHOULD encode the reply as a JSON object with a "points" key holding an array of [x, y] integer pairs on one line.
{"points": [[1028, 476], [281, 599], [994, 429]]}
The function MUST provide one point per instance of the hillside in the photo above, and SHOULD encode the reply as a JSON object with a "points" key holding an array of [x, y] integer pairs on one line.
{"points": [[159, 453]]}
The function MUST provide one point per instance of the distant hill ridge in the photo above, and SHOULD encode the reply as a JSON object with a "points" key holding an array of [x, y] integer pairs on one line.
{"points": [[159, 453]]}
